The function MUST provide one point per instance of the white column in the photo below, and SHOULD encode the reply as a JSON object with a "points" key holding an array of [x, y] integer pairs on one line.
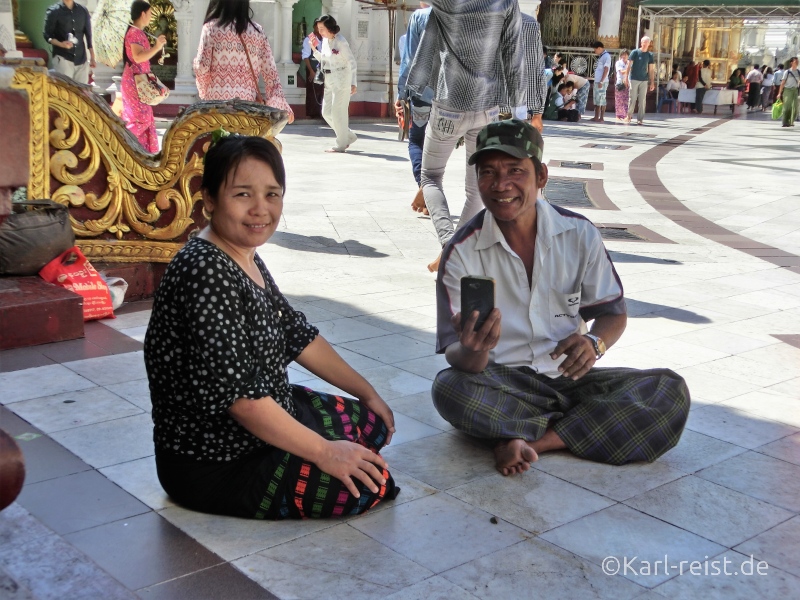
{"points": [[333, 6], [185, 89], [529, 7], [286, 31], [7, 31], [608, 30]]}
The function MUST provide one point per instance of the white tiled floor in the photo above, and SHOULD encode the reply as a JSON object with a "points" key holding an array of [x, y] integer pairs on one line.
{"points": [[729, 490]]}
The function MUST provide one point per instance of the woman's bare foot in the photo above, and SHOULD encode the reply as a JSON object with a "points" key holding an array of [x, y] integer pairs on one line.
{"points": [[418, 205], [434, 266], [514, 456]]}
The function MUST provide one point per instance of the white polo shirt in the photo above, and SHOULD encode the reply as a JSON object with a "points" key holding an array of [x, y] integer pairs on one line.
{"points": [[574, 281]]}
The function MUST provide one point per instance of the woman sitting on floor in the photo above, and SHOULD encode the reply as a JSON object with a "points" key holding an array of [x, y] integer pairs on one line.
{"points": [[232, 436]]}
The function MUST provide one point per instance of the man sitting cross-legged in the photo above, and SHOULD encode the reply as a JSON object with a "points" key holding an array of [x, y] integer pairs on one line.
{"points": [[526, 379]]}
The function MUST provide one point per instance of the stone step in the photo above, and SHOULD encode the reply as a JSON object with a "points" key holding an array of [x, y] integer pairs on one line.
{"points": [[34, 312]]}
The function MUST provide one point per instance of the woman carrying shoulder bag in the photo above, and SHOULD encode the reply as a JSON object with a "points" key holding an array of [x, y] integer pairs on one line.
{"points": [[339, 69], [137, 53], [233, 54]]}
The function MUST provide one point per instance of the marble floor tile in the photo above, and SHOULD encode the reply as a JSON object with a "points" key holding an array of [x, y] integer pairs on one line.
{"points": [[621, 532], [712, 387], [125, 321], [516, 571], [106, 370], [736, 426], [616, 482], [354, 306], [736, 586], [391, 382], [18, 527], [233, 538], [696, 451], [677, 354], [74, 409], [455, 532], [409, 429], [410, 489], [710, 510], [785, 387], [337, 331], [110, 442], [140, 480], [427, 366], [723, 341], [136, 392], [433, 588], [136, 333], [759, 476], [748, 370], [443, 461], [391, 349], [778, 546], [771, 406], [53, 569], [420, 407], [398, 321], [533, 500], [40, 381], [358, 361], [787, 449], [339, 562]]}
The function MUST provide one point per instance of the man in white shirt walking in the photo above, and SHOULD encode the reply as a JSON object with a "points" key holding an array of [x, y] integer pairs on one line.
{"points": [[601, 71], [703, 84]]}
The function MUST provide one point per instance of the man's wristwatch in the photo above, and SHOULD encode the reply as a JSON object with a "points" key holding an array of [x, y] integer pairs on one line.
{"points": [[599, 345]]}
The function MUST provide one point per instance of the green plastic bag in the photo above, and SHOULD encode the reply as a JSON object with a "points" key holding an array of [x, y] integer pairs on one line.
{"points": [[777, 109]]}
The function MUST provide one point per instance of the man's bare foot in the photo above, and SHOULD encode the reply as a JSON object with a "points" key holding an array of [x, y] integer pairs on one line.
{"points": [[418, 205], [514, 456], [548, 442], [434, 266]]}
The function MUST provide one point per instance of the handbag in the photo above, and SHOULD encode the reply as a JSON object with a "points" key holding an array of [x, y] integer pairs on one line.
{"points": [[777, 109], [259, 97], [620, 86], [150, 89], [33, 235]]}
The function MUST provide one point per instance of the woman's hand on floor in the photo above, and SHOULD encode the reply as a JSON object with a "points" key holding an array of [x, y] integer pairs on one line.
{"points": [[347, 460], [377, 405]]}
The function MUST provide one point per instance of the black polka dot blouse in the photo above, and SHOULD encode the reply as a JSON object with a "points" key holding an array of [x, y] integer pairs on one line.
{"points": [[216, 336]]}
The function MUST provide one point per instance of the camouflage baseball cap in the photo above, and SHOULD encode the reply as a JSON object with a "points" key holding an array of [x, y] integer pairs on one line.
{"points": [[514, 137]]}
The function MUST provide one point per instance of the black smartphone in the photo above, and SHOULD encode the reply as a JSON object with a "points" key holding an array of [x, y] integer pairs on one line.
{"points": [[477, 293]]}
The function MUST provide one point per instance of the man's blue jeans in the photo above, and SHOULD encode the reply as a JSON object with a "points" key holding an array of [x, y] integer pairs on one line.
{"points": [[420, 113]]}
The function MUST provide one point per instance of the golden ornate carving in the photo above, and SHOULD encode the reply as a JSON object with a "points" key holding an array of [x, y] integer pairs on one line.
{"points": [[125, 205], [610, 41]]}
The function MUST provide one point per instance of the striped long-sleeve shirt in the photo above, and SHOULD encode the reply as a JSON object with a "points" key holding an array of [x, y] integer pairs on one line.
{"points": [[471, 56], [534, 67]]}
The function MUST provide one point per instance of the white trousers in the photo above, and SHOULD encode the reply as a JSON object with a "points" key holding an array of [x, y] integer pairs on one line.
{"points": [[336, 107], [68, 68], [445, 127]]}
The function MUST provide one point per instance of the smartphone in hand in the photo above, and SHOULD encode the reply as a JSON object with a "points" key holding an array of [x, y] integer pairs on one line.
{"points": [[477, 293]]}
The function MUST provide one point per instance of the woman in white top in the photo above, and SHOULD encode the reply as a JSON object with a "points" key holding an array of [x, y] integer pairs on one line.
{"points": [[674, 85], [339, 68], [621, 89]]}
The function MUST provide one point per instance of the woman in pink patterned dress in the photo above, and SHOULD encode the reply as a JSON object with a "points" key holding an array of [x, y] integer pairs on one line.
{"points": [[138, 116], [221, 68]]}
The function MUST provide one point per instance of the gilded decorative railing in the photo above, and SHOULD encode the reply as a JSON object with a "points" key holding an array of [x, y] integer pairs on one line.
{"points": [[125, 205], [568, 23]]}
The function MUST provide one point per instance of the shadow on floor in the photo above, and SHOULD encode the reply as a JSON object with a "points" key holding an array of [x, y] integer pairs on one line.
{"points": [[319, 243], [624, 257], [648, 310]]}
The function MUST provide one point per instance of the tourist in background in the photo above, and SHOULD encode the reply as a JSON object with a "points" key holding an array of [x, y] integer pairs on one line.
{"points": [[766, 87], [582, 88], [674, 85], [703, 85], [621, 92], [776, 81], [68, 28], [137, 115], [233, 54], [754, 78], [310, 65], [339, 67], [788, 93], [736, 81], [642, 79], [601, 73]]}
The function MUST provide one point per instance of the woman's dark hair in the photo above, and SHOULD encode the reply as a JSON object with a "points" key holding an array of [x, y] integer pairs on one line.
{"points": [[138, 8], [224, 157], [226, 12], [330, 23]]}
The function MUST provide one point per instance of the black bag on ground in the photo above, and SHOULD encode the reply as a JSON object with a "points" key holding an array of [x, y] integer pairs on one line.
{"points": [[33, 235]]}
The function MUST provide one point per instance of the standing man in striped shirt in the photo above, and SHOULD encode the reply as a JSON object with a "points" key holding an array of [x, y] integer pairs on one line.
{"points": [[470, 53]]}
